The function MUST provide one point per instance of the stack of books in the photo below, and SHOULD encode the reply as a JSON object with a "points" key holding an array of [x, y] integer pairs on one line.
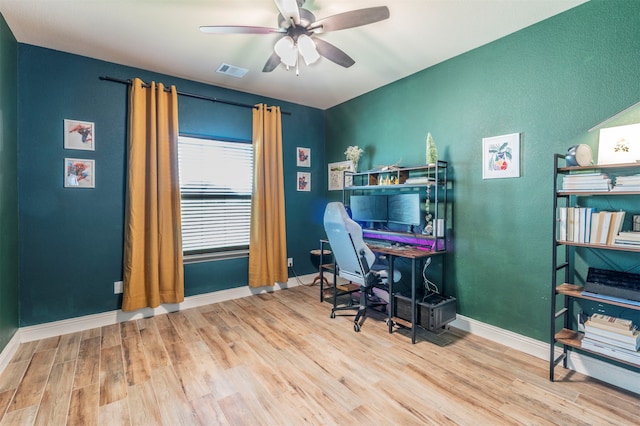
{"points": [[611, 336], [627, 183], [627, 239], [587, 182], [585, 225]]}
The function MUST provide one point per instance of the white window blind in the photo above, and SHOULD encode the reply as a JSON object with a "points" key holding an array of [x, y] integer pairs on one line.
{"points": [[215, 194]]}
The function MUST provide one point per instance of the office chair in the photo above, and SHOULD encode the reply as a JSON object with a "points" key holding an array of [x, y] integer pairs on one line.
{"points": [[353, 258]]}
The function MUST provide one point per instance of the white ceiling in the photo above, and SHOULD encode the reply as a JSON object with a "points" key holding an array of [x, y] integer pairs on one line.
{"points": [[163, 36]]}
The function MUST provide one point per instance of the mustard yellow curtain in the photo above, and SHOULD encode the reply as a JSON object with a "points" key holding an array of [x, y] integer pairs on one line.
{"points": [[267, 243], [153, 269]]}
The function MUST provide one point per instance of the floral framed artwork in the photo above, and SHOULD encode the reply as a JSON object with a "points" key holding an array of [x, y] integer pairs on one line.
{"points": [[336, 174], [79, 135], [501, 156], [304, 181], [79, 173], [619, 145], [303, 157]]}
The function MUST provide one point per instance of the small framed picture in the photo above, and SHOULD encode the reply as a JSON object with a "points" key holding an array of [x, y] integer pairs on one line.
{"points": [[304, 181], [303, 157], [501, 156], [336, 174], [618, 145], [79, 173], [79, 135]]}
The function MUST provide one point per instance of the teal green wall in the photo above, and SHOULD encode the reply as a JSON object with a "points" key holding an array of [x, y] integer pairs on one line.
{"points": [[71, 239], [8, 185], [551, 82]]}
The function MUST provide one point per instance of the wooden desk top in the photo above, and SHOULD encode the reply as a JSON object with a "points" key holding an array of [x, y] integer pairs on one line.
{"points": [[404, 251]]}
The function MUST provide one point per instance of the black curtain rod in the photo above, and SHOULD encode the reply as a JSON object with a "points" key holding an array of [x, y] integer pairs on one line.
{"points": [[191, 95]]}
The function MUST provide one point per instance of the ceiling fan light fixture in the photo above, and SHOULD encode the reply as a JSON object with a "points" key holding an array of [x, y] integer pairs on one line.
{"points": [[289, 10], [307, 48], [287, 50]]}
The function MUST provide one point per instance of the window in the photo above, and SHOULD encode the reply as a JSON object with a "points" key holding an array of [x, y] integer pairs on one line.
{"points": [[215, 196]]}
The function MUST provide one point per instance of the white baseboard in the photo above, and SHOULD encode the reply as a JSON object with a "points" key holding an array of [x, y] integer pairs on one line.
{"points": [[73, 325], [592, 367], [9, 351], [584, 364]]}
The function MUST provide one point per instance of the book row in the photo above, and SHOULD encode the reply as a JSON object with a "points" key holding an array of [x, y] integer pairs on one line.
{"points": [[600, 182], [586, 225], [612, 336]]}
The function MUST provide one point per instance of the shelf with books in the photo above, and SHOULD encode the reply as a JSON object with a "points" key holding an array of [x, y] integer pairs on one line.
{"points": [[622, 166], [575, 339], [600, 246], [580, 230], [599, 339], [596, 193]]}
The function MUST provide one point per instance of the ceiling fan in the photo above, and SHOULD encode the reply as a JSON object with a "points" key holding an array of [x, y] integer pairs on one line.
{"points": [[300, 28]]}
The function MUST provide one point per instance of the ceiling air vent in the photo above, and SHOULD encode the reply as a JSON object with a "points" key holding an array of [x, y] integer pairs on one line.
{"points": [[231, 70]]}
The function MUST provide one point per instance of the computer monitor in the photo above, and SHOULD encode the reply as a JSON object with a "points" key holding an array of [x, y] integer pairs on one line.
{"points": [[368, 208], [404, 209]]}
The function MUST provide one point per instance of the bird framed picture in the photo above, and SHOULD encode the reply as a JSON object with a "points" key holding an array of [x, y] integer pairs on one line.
{"points": [[79, 135]]}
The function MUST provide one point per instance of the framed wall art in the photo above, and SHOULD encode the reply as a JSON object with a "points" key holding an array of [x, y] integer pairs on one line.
{"points": [[303, 157], [501, 156], [304, 181], [79, 173], [619, 145], [336, 172], [79, 135]]}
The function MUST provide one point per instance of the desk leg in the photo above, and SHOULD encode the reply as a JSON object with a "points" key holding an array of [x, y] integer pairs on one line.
{"points": [[392, 311], [413, 301], [321, 272]]}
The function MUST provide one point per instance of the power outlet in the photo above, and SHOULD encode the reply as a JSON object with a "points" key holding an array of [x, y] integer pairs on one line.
{"points": [[118, 287], [290, 262]]}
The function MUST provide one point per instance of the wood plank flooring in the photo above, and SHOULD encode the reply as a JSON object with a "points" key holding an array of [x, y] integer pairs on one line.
{"points": [[278, 359]]}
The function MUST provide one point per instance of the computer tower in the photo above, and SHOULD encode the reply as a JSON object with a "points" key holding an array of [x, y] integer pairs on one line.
{"points": [[433, 311]]}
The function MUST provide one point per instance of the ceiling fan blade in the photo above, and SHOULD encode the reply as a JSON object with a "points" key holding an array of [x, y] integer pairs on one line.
{"points": [[289, 10], [238, 29], [351, 19], [272, 63], [332, 53]]}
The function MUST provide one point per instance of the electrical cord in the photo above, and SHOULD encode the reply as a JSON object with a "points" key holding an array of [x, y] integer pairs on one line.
{"points": [[429, 286], [295, 274]]}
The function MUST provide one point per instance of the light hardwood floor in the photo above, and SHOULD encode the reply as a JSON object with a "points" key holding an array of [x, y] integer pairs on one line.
{"points": [[278, 359]]}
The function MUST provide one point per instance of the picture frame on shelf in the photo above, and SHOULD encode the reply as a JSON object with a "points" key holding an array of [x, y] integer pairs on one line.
{"points": [[304, 181], [303, 157], [336, 172], [79, 173], [501, 156], [79, 135], [619, 145]]}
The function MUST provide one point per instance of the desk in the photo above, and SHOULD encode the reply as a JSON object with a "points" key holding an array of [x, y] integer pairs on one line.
{"points": [[392, 252], [407, 252]]}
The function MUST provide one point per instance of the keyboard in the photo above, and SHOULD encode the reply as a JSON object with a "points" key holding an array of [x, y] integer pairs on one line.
{"points": [[377, 243]]}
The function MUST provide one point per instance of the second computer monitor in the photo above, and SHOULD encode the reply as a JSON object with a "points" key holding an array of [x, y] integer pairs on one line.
{"points": [[404, 209]]}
